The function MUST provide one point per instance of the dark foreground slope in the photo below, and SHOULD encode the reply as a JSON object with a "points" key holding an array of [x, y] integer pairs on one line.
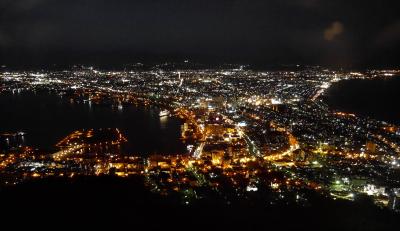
{"points": [[112, 203]]}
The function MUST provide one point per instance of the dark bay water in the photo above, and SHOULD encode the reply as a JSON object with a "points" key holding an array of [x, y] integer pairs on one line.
{"points": [[376, 98], [47, 118]]}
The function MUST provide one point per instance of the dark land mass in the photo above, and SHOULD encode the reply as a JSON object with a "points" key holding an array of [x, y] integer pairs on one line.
{"points": [[112, 203]]}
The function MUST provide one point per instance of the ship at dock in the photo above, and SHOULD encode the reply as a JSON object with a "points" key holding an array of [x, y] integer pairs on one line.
{"points": [[164, 113]]}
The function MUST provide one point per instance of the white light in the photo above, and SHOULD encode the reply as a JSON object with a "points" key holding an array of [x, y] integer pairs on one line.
{"points": [[251, 188], [242, 124], [276, 101]]}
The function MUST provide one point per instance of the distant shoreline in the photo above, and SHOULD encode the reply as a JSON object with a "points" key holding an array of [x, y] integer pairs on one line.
{"points": [[374, 98]]}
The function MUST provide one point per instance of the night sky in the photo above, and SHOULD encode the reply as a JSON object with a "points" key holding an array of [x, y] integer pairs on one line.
{"points": [[327, 32]]}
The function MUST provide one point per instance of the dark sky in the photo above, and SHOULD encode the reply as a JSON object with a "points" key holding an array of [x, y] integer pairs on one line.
{"points": [[328, 32]]}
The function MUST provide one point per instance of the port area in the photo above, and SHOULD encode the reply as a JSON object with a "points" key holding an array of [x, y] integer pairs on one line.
{"points": [[84, 139], [93, 137]]}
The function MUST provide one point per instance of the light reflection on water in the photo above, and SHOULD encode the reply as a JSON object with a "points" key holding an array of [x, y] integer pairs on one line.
{"points": [[47, 118]]}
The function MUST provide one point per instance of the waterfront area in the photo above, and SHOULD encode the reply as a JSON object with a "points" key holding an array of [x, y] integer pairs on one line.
{"points": [[375, 98], [46, 116]]}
